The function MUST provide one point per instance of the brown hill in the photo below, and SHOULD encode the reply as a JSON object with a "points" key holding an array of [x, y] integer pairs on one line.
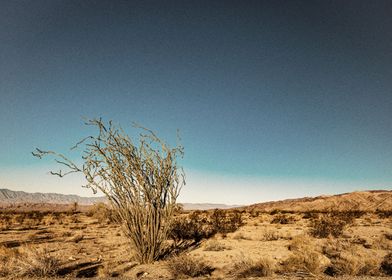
{"points": [[363, 201]]}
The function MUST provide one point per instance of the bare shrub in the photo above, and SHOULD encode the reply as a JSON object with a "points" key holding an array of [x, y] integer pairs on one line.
{"points": [[141, 182], [347, 259], [305, 258], [31, 262], [300, 262], [249, 268], [330, 224], [354, 265], [184, 266], [7, 257]]}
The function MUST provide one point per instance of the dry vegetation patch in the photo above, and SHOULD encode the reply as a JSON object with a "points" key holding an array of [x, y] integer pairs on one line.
{"points": [[330, 224], [83, 244], [246, 267], [184, 266]]}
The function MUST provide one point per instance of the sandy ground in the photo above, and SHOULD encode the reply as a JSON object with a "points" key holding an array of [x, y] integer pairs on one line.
{"points": [[88, 247]]}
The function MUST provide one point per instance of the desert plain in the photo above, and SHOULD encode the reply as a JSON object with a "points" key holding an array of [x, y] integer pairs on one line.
{"points": [[346, 236]]}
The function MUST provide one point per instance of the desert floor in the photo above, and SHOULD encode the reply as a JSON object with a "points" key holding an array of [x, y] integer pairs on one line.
{"points": [[280, 245]]}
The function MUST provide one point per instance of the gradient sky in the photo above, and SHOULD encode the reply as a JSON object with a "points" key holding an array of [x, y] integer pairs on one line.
{"points": [[273, 99]]}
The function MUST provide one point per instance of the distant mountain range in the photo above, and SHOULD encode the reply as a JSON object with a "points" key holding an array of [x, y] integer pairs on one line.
{"points": [[363, 200], [9, 197], [14, 197]]}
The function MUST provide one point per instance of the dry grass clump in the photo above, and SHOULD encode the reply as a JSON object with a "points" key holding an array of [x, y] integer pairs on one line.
{"points": [[349, 259], [330, 224], [271, 235], [305, 258], [28, 262], [386, 264], [383, 242], [215, 245], [300, 243], [249, 268], [308, 263], [7, 257], [354, 265], [186, 266]]}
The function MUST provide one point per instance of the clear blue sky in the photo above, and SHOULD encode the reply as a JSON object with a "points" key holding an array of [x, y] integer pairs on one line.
{"points": [[273, 99]]}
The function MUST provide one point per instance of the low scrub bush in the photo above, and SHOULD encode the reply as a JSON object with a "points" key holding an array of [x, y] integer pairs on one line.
{"points": [[248, 268], [225, 221], [200, 225], [186, 266], [194, 227], [301, 262], [28, 262], [330, 224], [282, 219], [353, 265], [386, 264]]}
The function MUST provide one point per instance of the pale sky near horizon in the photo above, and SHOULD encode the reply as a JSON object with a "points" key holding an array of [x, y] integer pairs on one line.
{"points": [[273, 99]]}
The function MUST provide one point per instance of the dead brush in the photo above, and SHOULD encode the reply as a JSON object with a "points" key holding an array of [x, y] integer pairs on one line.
{"points": [[225, 221], [305, 263], [354, 265], [194, 227], [7, 257], [200, 225], [305, 258], [30, 262], [330, 224], [185, 266], [246, 268], [349, 259]]}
